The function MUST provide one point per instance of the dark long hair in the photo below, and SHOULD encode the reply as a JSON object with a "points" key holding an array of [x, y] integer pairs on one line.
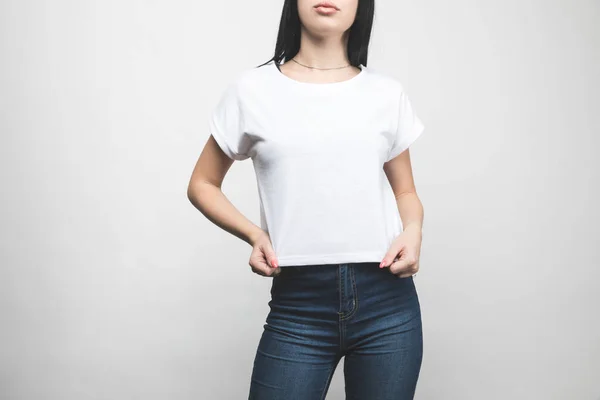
{"points": [[288, 37]]}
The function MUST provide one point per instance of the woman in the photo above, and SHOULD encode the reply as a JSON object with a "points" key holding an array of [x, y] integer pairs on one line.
{"points": [[324, 132]]}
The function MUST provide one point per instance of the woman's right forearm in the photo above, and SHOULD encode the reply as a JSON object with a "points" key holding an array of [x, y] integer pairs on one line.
{"points": [[214, 205]]}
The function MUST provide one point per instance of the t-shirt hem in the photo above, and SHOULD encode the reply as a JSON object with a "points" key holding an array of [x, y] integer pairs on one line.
{"points": [[341, 258]]}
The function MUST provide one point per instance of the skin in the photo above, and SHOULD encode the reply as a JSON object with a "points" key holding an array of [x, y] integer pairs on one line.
{"points": [[323, 45]]}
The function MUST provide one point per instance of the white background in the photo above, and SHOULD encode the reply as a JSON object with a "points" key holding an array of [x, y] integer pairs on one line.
{"points": [[113, 286]]}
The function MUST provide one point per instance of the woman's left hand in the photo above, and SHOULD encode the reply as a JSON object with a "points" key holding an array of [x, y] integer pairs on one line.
{"points": [[403, 254]]}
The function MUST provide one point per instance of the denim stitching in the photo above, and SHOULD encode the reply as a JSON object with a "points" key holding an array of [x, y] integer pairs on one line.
{"points": [[340, 323], [353, 279], [339, 287]]}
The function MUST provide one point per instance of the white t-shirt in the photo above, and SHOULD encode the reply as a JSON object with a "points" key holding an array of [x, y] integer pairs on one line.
{"points": [[318, 151]]}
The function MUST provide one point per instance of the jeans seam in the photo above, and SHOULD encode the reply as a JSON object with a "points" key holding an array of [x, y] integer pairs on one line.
{"points": [[340, 289], [355, 293], [340, 313]]}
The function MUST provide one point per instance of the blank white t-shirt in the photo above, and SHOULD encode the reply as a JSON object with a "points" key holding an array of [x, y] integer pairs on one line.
{"points": [[318, 151]]}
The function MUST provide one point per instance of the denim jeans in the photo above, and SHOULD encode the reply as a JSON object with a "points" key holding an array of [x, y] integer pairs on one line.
{"points": [[321, 313]]}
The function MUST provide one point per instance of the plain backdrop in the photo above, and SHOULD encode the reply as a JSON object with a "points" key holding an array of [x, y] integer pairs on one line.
{"points": [[114, 287]]}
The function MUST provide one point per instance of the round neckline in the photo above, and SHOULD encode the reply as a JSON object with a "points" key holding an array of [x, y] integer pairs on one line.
{"points": [[324, 85]]}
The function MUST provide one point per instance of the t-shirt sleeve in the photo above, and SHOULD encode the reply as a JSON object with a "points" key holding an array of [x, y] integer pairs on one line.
{"points": [[408, 127], [226, 124]]}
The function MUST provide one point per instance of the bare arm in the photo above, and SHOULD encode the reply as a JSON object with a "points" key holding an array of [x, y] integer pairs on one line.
{"points": [[399, 174], [406, 248], [204, 192]]}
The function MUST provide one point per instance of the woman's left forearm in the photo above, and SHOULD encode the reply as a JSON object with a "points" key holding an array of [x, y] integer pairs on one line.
{"points": [[411, 211]]}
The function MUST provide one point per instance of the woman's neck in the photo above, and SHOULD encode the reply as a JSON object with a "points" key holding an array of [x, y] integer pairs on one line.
{"points": [[322, 52]]}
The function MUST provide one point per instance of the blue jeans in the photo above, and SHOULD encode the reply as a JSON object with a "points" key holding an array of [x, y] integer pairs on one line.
{"points": [[321, 313]]}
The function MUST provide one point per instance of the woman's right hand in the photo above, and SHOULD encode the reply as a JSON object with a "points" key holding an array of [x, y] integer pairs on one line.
{"points": [[263, 260]]}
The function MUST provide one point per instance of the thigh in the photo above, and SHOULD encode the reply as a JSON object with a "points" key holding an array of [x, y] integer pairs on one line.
{"points": [[385, 349], [299, 347], [287, 368], [387, 369]]}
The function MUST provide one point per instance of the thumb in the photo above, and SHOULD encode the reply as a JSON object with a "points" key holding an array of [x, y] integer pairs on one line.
{"points": [[390, 255], [270, 255]]}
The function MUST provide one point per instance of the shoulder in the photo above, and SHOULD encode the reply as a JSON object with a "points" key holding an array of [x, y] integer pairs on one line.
{"points": [[384, 81], [251, 78]]}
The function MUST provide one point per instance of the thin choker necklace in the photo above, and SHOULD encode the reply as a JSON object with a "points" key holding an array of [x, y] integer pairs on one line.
{"points": [[324, 69]]}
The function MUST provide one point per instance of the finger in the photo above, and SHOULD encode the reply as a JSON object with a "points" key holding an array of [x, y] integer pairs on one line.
{"points": [[258, 263], [391, 255], [409, 273], [269, 255], [410, 270], [262, 269], [403, 265]]}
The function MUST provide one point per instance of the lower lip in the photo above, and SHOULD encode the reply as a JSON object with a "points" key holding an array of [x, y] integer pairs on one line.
{"points": [[326, 10]]}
